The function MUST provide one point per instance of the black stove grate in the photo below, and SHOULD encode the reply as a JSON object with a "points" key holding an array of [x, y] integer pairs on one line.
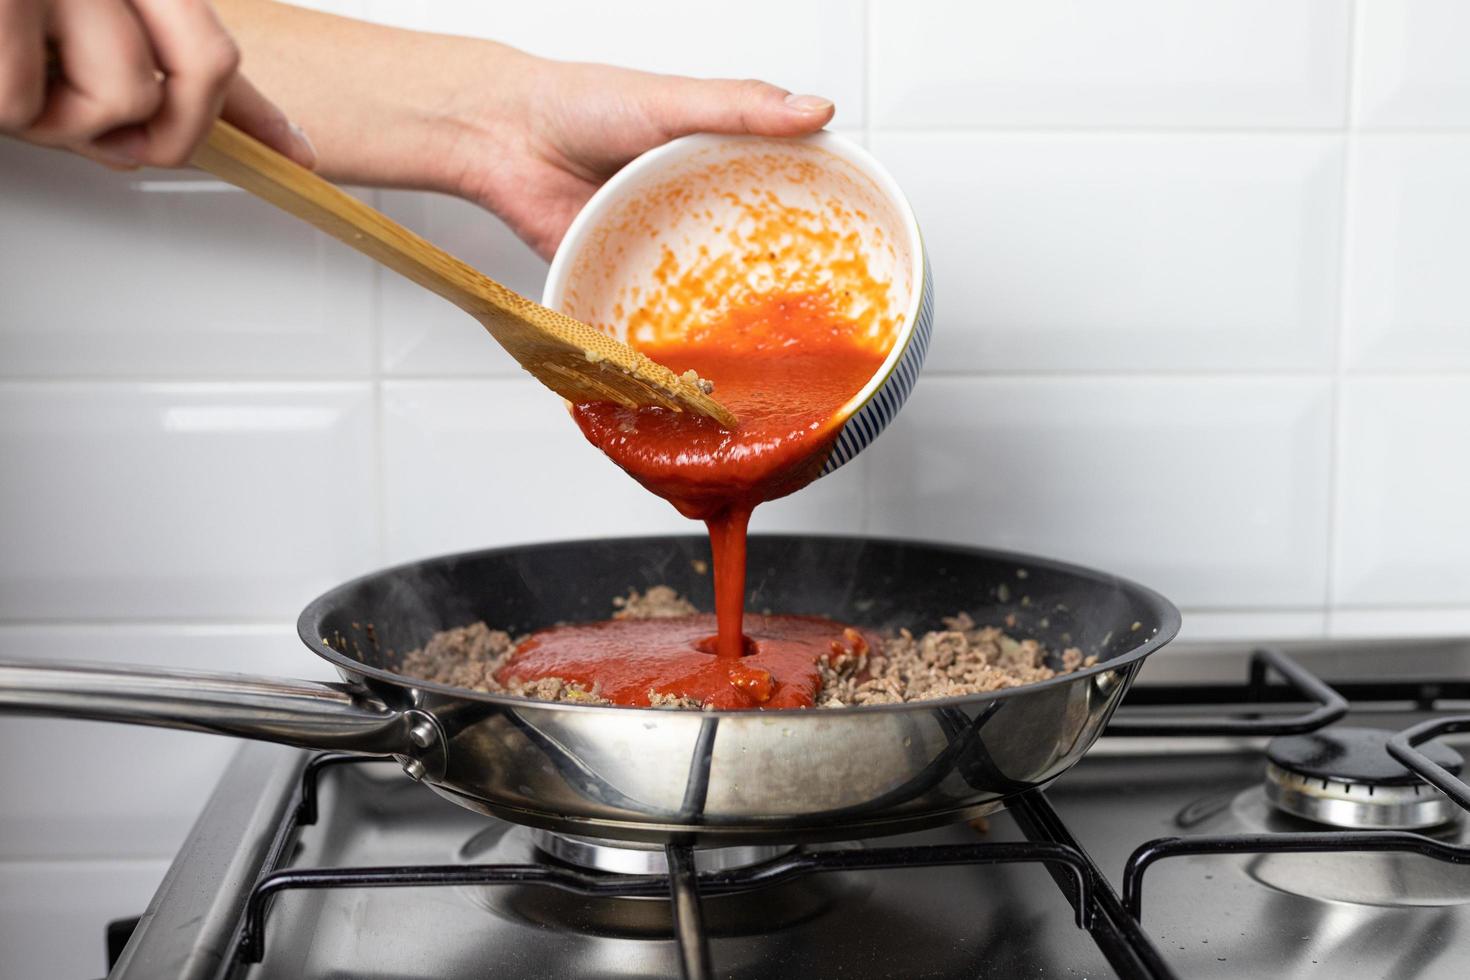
{"points": [[1080, 879], [1112, 921], [1116, 933], [1403, 747], [1330, 706], [1301, 685], [1337, 842]]}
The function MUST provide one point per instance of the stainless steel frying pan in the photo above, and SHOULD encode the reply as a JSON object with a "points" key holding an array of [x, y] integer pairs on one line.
{"points": [[658, 775]]}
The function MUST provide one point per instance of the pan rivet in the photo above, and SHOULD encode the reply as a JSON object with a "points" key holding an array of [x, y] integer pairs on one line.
{"points": [[415, 769], [422, 734]]}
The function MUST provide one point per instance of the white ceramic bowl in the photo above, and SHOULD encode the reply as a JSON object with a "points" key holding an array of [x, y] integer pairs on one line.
{"points": [[695, 225]]}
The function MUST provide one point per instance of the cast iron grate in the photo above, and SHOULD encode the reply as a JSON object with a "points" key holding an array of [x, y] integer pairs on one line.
{"points": [[1301, 686], [1095, 906], [1330, 706], [1111, 920]]}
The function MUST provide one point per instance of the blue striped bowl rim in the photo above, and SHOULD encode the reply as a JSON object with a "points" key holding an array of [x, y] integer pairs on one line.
{"points": [[864, 425]]}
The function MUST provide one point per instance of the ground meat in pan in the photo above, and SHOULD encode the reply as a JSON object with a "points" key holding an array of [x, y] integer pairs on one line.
{"points": [[962, 658], [659, 602], [469, 656]]}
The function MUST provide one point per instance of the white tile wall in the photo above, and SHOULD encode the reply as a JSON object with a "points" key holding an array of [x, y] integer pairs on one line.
{"points": [[1403, 524], [1202, 319], [467, 463], [1413, 70], [813, 46], [1084, 64], [146, 500], [168, 275], [426, 335], [455, 479], [1070, 252], [1409, 249], [1398, 621], [1099, 470]]}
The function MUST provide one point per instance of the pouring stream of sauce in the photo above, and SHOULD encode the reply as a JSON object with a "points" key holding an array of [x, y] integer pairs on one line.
{"points": [[785, 364]]}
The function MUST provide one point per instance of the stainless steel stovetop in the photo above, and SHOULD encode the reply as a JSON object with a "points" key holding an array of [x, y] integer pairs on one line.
{"points": [[1355, 914]]}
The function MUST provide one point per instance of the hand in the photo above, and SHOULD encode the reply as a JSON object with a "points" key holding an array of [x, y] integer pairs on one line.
{"points": [[128, 82], [527, 138], [536, 157]]}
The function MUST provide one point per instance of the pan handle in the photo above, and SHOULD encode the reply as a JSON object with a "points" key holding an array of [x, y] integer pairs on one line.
{"points": [[302, 713]]}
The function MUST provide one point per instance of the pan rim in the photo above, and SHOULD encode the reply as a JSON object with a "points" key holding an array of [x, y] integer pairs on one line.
{"points": [[1169, 619]]}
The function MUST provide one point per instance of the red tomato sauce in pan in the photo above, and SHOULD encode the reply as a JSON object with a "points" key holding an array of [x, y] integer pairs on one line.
{"points": [[785, 364], [629, 658]]}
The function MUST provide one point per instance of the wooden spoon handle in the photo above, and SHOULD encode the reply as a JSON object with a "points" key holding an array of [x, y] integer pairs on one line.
{"points": [[571, 358], [245, 162]]}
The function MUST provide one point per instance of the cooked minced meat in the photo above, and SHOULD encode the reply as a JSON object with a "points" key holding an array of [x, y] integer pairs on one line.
{"points": [[467, 656], [962, 658], [659, 602]]}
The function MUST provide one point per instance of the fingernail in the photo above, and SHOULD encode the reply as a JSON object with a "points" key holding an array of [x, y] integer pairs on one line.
{"points": [[304, 141], [121, 148], [808, 103], [114, 159]]}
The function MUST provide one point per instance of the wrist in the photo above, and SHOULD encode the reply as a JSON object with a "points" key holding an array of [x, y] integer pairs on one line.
{"points": [[481, 116], [383, 106]]}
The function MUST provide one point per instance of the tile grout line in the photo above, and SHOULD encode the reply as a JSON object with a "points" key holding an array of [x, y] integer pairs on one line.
{"points": [[1357, 607], [870, 14], [1085, 131], [1339, 359], [1326, 374], [237, 623], [380, 462], [266, 382], [275, 383], [287, 623]]}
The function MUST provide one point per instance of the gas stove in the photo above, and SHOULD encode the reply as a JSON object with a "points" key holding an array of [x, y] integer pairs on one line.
{"points": [[1248, 813]]}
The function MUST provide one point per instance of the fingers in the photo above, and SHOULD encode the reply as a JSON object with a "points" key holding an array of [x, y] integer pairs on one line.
{"points": [[106, 77], [252, 112], [22, 64], [199, 60], [134, 82], [727, 106]]}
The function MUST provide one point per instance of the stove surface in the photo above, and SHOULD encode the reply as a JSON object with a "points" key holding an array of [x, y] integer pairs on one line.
{"points": [[1350, 915], [1345, 915], [1340, 915]]}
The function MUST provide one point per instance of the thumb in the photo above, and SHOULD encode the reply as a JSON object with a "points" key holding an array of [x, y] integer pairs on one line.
{"points": [[257, 115], [696, 105]]}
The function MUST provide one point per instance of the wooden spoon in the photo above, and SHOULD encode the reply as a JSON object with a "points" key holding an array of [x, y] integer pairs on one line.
{"points": [[575, 360]]}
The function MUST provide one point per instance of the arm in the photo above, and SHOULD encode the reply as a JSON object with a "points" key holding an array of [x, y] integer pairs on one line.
{"points": [[528, 138]]}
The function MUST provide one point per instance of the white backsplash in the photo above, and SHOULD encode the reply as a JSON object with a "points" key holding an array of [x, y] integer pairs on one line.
{"points": [[1203, 319], [1126, 253]]}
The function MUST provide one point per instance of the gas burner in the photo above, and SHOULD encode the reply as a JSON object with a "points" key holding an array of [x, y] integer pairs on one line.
{"points": [[777, 905], [631, 858], [1344, 777]]}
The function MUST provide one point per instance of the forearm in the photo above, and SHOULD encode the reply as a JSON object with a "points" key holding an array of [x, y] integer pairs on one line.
{"points": [[383, 106], [528, 138]]}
